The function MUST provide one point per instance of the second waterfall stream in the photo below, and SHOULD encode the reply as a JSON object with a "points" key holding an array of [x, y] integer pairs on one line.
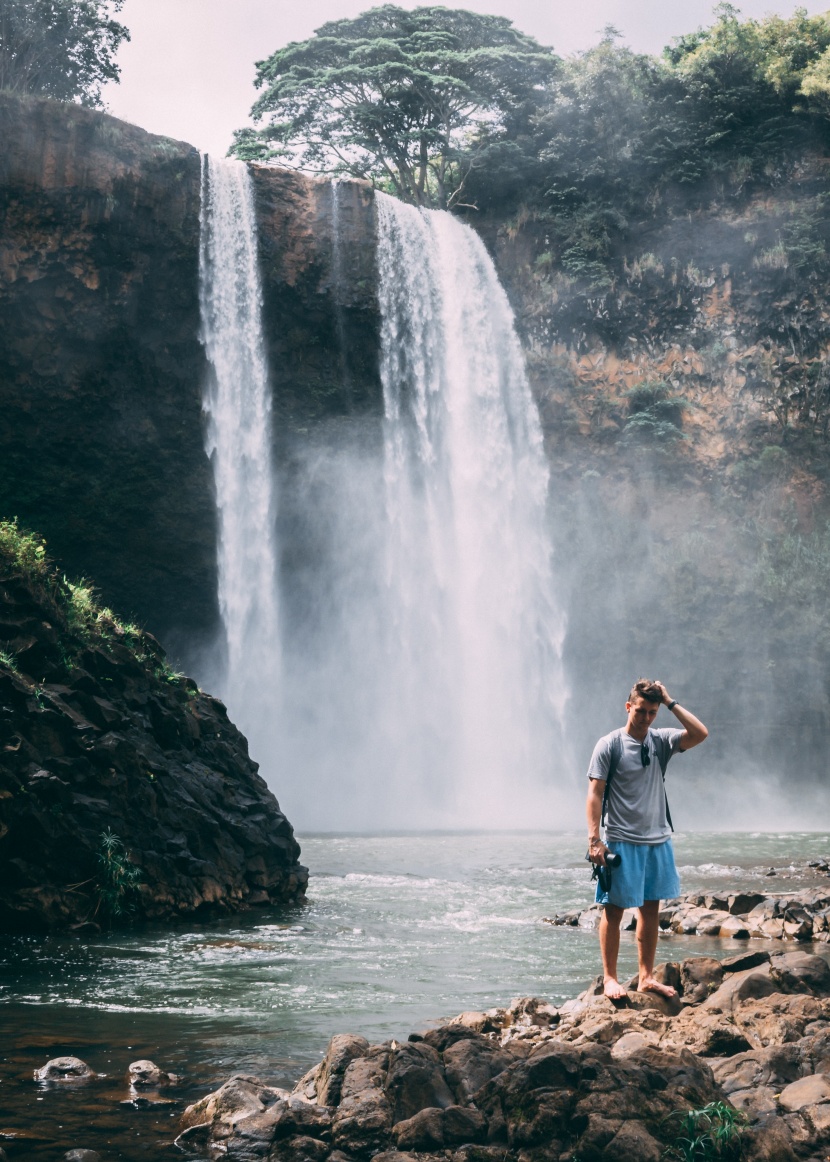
{"points": [[408, 674]]}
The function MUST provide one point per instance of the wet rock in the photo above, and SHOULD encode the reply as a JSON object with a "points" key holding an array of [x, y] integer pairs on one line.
{"points": [[82, 1156], [470, 1063], [363, 1118], [416, 1081], [342, 1050], [146, 1074], [65, 1069]]}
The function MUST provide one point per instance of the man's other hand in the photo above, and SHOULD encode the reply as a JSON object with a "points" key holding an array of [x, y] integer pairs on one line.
{"points": [[597, 851]]}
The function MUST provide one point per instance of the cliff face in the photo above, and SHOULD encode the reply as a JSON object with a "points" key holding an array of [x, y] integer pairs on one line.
{"points": [[101, 368], [98, 737], [686, 414]]}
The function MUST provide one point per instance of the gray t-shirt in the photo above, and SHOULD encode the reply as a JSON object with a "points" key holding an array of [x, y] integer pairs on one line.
{"points": [[637, 799]]}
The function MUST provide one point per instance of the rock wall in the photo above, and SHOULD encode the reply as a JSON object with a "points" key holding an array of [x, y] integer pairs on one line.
{"points": [[101, 368], [99, 737]]}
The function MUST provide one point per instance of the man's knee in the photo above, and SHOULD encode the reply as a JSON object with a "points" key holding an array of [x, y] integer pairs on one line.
{"points": [[613, 915]]}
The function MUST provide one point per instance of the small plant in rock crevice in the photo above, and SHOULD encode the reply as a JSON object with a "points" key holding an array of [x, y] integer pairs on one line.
{"points": [[118, 879], [710, 1134]]}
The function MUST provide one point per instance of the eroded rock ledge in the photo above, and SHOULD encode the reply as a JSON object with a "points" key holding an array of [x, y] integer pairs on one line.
{"points": [[98, 736], [591, 1080]]}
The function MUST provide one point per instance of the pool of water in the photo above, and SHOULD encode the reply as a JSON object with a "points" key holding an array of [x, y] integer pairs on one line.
{"points": [[399, 931]]}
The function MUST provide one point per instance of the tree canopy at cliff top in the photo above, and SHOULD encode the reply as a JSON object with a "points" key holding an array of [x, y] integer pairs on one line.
{"points": [[447, 107], [393, 95], [63, 49]]}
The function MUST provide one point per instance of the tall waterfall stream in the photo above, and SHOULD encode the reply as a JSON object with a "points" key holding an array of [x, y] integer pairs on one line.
{"points": [[422, 684], [237, 403]]}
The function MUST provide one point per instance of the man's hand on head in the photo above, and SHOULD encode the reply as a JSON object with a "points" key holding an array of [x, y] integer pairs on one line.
{"points": [[664, 692]]}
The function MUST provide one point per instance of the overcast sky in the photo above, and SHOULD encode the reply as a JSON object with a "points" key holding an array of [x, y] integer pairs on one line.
{"points": [[188, 71]]}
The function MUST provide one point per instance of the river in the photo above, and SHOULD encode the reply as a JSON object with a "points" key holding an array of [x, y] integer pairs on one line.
{"points": [[400, 930]]}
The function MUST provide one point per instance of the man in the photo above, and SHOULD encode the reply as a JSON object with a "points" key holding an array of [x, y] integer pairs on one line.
{"points": [[638, 827]]}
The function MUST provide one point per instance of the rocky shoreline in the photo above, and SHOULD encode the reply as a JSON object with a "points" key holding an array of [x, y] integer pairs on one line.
{"points": [[802, 915], [589, 1080]]}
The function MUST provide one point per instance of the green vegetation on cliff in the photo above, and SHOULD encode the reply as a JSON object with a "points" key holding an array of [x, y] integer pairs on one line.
{"points": [[63, 49]]}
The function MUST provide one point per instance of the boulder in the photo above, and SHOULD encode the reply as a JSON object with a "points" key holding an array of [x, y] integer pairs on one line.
{"points": [[416, 1081], [807, 1091], [700, 976], [82, 1156], [801, 972], [65, 1069], [633, 1143], [342, 1050], [363, 1119], [471, 1063], [147, 1075]]}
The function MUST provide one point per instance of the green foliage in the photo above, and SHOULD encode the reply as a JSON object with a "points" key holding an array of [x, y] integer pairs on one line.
{"points": [[60, 48], [23, 550], [86, 618], [711, 1134], [8, 660], [118, 878], [393, 95], [655, 415]]}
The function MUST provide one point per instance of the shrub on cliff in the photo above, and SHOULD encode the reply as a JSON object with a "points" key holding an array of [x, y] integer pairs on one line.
{"points": [[60, 48]]}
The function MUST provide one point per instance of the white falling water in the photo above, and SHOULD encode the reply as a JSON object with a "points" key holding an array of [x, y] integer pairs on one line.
{"points": [[473, 651], [237, 404]]}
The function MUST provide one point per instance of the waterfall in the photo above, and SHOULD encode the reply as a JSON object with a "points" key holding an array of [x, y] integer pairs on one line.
{"points": [[473, 636], [237, 405]]}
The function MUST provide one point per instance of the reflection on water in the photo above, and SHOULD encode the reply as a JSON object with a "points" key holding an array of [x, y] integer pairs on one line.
{"points": [[400, 930]]}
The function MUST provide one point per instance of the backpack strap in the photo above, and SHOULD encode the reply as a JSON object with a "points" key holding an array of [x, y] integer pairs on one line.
{"points": [[613, 763], [662, 749]]}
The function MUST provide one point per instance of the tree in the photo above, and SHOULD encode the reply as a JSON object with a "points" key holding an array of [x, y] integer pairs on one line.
{"points": [[394, 96], [63, 49]]}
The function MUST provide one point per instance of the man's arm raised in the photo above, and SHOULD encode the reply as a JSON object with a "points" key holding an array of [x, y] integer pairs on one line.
{"points": [[694, 732]]}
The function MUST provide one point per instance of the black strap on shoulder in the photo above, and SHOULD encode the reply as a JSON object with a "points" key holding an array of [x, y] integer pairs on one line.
{"points": [[613, 763], [663, 754]]}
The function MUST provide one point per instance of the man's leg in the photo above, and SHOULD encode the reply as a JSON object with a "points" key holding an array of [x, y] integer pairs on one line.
{"points": [[609, 943], [647, 928]]}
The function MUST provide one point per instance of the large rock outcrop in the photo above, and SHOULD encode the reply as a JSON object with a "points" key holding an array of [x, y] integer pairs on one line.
{"points": [[593, 1080], [100, 739], [101, 368]]}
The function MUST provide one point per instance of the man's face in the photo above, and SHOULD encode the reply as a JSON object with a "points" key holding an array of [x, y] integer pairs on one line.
{"points": [[641, 714]]}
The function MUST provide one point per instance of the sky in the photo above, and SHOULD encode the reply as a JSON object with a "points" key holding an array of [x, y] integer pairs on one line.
{"points": [[188, 71]]}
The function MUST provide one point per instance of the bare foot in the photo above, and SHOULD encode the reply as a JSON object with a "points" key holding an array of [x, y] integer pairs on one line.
{"points": [[648, 984], [613, 989]]}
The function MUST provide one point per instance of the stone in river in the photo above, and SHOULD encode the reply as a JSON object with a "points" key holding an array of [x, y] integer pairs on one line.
{"points": [[147, 1075], [65, 1069], [82, 1156]]}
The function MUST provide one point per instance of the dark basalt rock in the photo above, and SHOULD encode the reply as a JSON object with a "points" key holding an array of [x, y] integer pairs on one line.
{"points": [[101, 368], [96, 736], [603, 1083]]}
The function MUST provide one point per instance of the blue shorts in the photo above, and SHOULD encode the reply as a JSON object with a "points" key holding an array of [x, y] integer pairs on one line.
{"points": [[646, 872]]}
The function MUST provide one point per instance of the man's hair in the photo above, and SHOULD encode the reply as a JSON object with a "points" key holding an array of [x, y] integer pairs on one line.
{"points": [[646, 688]]}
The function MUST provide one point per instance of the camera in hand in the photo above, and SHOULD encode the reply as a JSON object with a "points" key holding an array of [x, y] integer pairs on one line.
{"points": [[603, 874]]}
